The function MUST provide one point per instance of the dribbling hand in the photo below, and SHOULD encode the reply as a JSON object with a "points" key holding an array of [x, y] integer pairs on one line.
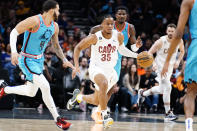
{"points": [[14, 58]]}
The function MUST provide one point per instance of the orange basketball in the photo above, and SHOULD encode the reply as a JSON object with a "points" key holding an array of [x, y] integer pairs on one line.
{"points": [[144, 59]]}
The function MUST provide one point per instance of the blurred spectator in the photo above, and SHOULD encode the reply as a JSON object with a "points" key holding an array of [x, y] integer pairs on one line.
{"points": [[131, 82], [107, 8], [5, 57], [72, 43], [123, 71], [147, 81], [83, 69], [62, 21], [22, 10]]}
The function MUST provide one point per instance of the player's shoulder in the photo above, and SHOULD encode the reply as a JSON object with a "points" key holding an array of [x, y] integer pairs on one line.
{"points": [[188, 3], [130, 25], [33, 19], [95, 29], [163, 37]]}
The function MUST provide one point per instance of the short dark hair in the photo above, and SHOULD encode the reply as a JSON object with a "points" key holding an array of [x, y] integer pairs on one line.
{"points": [[49, 4], [121, 8], [105, 16], [171, 25]]}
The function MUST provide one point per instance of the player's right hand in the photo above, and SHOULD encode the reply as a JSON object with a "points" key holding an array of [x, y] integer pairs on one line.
{"points": [[14, 58], [75, 71]]}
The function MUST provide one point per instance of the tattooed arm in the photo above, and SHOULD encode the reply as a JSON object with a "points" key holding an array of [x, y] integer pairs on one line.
{"points": [[58, 49]]}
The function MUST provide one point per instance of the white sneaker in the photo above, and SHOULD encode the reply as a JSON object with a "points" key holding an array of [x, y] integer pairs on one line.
{"points": [[107, 120], [170, 117], [71, 102], [140, 98]]}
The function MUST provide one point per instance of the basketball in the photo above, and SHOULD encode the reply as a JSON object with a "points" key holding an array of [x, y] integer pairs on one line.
{"points": [[144, 59]]}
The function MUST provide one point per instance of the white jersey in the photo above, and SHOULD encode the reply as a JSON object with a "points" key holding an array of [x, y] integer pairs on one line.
{"points": [[162, 54], [104, 53]]}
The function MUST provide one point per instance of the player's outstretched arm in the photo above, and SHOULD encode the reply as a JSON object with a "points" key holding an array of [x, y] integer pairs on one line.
{"points": [[123, 50], [155, 47], [58, 49], [27, 24], [83, 44], [135, 44], [186, 6]]}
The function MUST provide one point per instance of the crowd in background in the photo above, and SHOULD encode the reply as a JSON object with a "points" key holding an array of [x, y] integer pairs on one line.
{"points": [[150, 18]]}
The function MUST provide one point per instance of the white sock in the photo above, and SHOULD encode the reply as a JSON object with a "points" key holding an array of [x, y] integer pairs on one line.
{"points": [[41, 82], [167, 108], [189, 124], [80, 97], [104, 112]]}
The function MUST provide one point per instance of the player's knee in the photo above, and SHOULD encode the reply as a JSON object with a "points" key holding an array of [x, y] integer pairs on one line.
{"points": [[45, 86], [32, 93]]}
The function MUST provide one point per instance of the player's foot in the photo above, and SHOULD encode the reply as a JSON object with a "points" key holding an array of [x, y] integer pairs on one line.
{"points": [[3, 84], [189, 124], [107, 120], [170, 117], [71, 102], [61, 123], [141, 98]]}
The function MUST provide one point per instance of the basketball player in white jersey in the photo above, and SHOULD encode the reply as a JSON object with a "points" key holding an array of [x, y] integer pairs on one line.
{"points": [[105, 45], [161, 47]]}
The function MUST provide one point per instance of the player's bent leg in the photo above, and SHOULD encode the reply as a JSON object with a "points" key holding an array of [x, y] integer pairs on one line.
{"points": [[41, 82], [166, 85], [102, 83], [28, 89], [189, 105]]}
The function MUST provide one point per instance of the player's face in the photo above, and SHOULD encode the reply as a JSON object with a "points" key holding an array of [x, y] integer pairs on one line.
{"points": [[121, 16], [107, 25], [56, 12], [170, 31]]}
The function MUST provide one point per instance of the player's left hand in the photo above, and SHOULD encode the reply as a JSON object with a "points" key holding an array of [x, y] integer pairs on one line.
{"points": [[176, 64], [164, 70], [68, 64], [139, 42]]}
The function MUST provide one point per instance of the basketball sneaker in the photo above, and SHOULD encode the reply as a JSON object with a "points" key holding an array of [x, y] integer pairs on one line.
{"points": [[61, 123], [3, 84], [170, 117], [71, 102], [107, 120], [141, 98]]}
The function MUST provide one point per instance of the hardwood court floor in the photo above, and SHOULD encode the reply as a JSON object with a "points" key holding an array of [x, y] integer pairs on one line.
{"points": [[30, 120]]}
